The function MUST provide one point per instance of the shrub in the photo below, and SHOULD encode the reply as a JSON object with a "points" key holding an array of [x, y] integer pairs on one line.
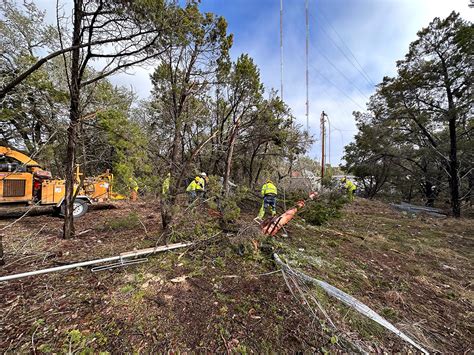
{"points": [[230, 210], [324, 208]]}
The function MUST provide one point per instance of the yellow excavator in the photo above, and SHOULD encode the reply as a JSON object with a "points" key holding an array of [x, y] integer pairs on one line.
{"points": [[23, 182]]}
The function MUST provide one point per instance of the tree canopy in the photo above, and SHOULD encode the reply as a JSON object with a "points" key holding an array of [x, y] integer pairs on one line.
{"points": [[418, 127]]}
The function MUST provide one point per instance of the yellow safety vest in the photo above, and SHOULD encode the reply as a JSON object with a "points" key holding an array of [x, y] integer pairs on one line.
{"points": [[350, 185], [166, 186], [269, 188], [133, 185], [196, 185], [201, 182]]}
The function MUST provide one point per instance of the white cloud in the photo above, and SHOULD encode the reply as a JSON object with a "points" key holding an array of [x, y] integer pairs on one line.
{"points": [[138, 79]]}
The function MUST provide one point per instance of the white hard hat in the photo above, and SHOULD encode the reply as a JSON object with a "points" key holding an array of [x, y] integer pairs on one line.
{"points": [[203, 174]]}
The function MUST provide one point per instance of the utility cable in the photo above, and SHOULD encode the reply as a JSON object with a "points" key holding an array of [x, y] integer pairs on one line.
{"points": [[341, 73], [333, 84], [361, 70], [350, 82]]}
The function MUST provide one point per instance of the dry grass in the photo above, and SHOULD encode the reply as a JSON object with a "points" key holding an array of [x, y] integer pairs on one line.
{"points": [[217, 296], [417, 272]]}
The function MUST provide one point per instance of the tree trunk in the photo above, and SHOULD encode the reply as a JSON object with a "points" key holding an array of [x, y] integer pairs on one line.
{"points": [[453, 152], [454, 169], [228, 161], [453, 165], [82, 132], [410, 194], [176, 174], [74, 112], [252, 160], [470, 177], [257, 176], [166, 215]]}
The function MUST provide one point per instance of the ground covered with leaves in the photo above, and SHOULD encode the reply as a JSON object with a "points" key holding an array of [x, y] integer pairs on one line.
{"points": [[223, 293]]}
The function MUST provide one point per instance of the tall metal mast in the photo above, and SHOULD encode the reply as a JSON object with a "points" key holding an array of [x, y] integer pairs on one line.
{"points": [[281, 49], [307, 64]]}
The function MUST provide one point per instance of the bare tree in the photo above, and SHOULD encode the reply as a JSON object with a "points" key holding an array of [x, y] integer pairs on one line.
{"points": [[116, 35]]}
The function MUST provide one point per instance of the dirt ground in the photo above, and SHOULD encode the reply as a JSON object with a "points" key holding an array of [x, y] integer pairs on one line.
{"points": [[222, 295]]}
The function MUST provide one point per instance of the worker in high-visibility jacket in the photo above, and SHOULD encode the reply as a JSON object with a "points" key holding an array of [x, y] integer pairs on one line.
{"points": [[133, 187], [350, 188], [165, 188], [269, 194], [197, 187]]}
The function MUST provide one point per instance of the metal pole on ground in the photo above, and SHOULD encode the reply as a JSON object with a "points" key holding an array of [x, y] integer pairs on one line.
{"points": [[122, 256]]}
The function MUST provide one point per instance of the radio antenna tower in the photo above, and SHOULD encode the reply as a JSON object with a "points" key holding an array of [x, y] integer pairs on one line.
{"points": [[307, 64], [281, 49]]}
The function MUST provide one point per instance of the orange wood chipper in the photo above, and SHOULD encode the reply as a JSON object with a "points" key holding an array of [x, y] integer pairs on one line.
{"points": [[23, 182]]}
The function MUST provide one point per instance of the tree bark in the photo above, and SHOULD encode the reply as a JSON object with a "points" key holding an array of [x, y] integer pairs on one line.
{"points": [[453, 149], [257, 176], [230, 152], [74, 113], [252, 160], [454, 169], [470, 188]]}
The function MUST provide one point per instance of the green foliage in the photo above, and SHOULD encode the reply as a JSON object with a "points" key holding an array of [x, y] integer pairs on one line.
{"points": [[389, 313], [415, 137], [45, 348], [228, 206], [213, 190], [240, 349], [83, 343], [230, 210], [127, 288], [323, 209], [39, 322], [29, 113], [76, 341], [365, 327], [327, 180], [128, 143]]}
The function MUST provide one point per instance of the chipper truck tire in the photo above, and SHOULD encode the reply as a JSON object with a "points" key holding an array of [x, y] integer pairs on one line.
{"points": [[80, 208]]}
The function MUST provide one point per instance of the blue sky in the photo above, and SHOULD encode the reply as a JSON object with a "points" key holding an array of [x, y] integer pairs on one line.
{"points": [[376, 32]]}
